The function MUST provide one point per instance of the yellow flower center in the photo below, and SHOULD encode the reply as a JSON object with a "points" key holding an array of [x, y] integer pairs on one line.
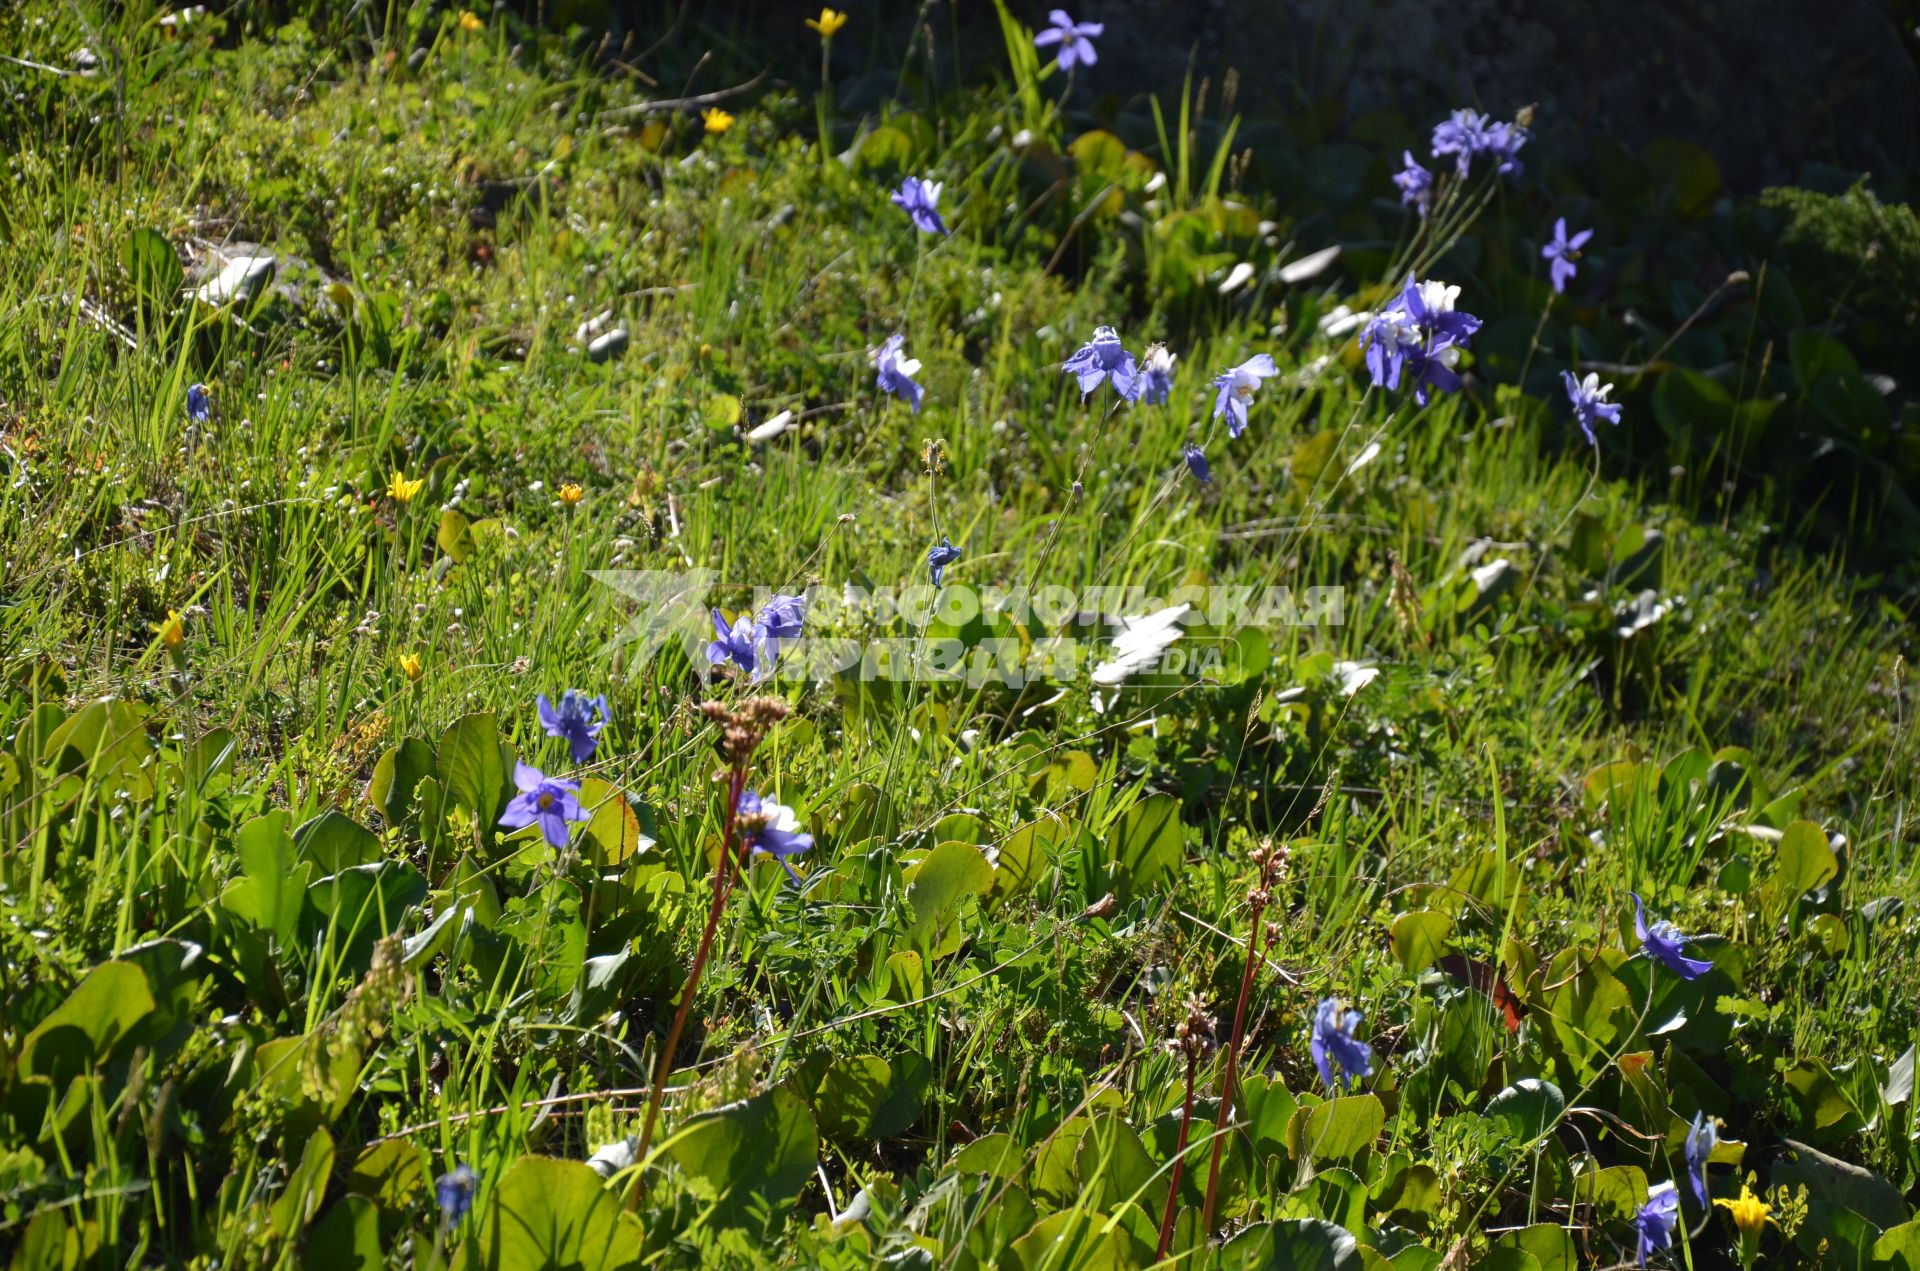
{"points": [[545, 801]]}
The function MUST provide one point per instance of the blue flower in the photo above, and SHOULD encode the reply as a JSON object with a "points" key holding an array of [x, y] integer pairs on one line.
{"points": [[1664, 943], [744, 644], [1657, 1219], [1421, 333], [894, 374], [920, 200], [1333, 1043], [1237, 387], [1701, 1137], [1502, 143], [1074, 38], [1462, 134], [1102, 358], [1466, 133], [1563, 251], [199, 409], [1197, 464], [939, 556], [1415, 182], [545, 800], [783, 616], [1157, 380], [1590, 404], [771, 829], [454, 1191], [573, 720]]}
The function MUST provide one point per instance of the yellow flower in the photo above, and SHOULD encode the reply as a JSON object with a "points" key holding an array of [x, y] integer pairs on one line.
{"points": [[717, 120], [401, 490], [570, 494], [829, 22], [411, 664], [1750, 1213], [173, 630], [470, 22]]}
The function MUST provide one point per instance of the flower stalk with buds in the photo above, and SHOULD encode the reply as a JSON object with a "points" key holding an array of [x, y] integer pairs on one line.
{"points": [[1271, 862], [742, 731], [1192, 1038]]}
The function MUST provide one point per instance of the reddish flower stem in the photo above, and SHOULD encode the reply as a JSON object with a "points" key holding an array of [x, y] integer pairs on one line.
{"points": [[1233, 1063], [722, 888], [1179, 1160]]}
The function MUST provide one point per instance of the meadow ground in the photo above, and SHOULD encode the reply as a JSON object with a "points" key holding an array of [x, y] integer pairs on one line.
{"points": [[323, 947]]}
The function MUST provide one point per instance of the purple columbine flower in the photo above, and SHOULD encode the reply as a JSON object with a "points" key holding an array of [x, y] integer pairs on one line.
{"points": [[543, 799], [1157, 378], [1657, 1219], [1664, 943], [744, 644], [783, 616], [199, 408], [1237, 386], [1102, 358], [1590, 404], [1462, 134], [1415, 182], [1502, 142], [574, 721], [1701, 1137], [1418, 333], [771, 829], [1563, 252], [454, 1191], [920, 200], [1333, 1043], [894, 374], [939, 556], [1466, 133], [1197, 464], [1074, 38]]}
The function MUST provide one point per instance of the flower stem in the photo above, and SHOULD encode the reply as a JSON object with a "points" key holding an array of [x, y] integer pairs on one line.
{"points": [[1233, 1061], [1179, 1159], [722, 887]]}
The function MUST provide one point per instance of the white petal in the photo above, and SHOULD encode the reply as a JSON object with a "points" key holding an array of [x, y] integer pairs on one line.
{"points": [[1238, 278], [1309, 266]]}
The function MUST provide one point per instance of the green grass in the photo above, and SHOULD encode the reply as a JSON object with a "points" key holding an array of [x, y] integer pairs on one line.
{"points": [[260, 992]]}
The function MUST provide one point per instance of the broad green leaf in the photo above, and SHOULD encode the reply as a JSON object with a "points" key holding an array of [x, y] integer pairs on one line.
{"points": [[758, 1152], [1530, 1107], [1826, 1113], [455, 535], [1147, 845], [395, 778], [347, 1238], [951, 873], [1022, 859], [108, 739], [1419, 938], [109, 1003], [864, 1097], [993, 1154], [613, 832], [476, 768], [300, 1200], [1337, 1129], [1549, 1245], [392, 1174], [1803, 861], [274, 888], [1297, 1244], [550, 1213], [334, 841]]}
